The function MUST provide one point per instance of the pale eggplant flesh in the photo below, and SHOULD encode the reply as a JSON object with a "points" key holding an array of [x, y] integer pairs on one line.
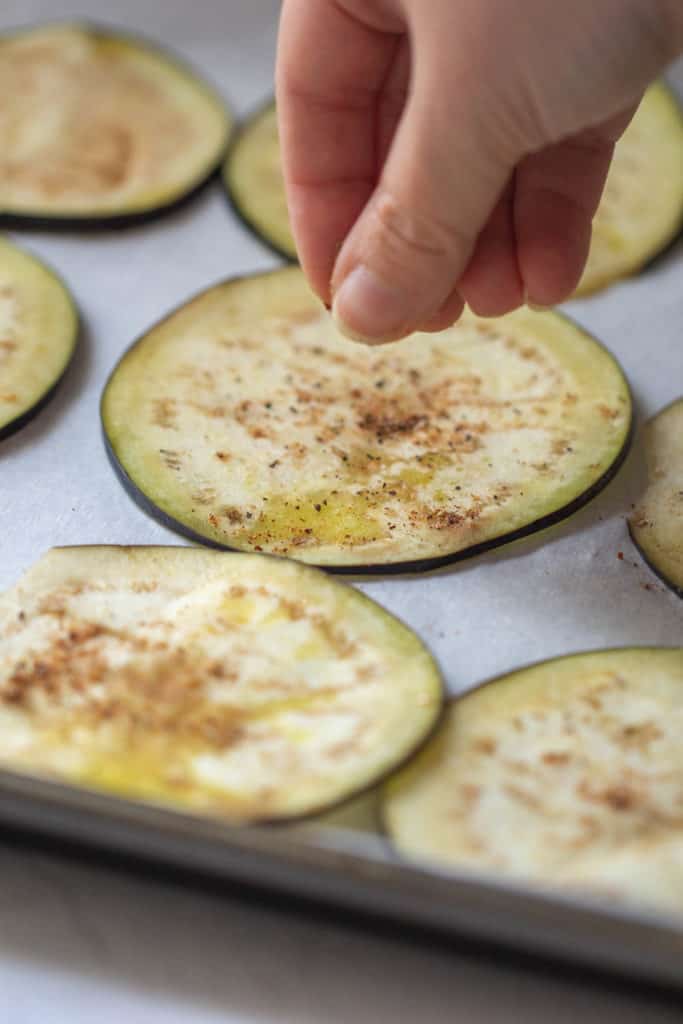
{"points": [[567, 775], [641, 210], [656, 524], [246, 421], [247, 688], [38, 336], [252, 177], [101, 129]]}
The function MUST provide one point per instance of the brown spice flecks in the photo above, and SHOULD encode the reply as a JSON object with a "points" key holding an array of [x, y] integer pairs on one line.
{"points": [[470, 794], [158, 696], [204, 497], [171, 459], [641, 735], [111, 106], [260, 434], [522, 796], [384, 428], [555, 757], [620, 797], [484, 745], [165, 413]]}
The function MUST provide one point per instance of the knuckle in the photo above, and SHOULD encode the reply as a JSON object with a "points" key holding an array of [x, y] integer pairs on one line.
{"points": [[403, 231]]}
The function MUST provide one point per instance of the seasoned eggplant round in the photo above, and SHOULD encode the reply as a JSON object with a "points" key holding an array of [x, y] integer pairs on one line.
{"points": [[38, 334], [640, 214], [568, 773], [246, 421], [100, 129], [656, 524], [244, 687]]}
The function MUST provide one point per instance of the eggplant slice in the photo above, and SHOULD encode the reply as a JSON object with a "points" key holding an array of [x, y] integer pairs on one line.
{"points": [[100, 129], [656, 525], [568, 773], [38, 334], [641, 211], [245, 687], [640, 214], [252, 176], [245, 420]]}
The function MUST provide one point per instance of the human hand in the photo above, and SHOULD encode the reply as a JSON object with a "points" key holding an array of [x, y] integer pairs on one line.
{"points": [[438, 152]]}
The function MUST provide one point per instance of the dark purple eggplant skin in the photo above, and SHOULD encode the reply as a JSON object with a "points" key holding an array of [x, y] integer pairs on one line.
{"points": [[117, 221], [25, 418], [389, 569], [227, 192], [93, 225], [678, 591]]}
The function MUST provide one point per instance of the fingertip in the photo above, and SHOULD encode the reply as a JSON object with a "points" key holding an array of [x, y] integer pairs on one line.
{"points": [[449, 314], [368, 310], [492, 292], [557, 195], [552, 262], [491, 284]]}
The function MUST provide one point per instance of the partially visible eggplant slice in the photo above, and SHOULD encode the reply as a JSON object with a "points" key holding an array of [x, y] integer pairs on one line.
{"points": [[100, 129], [656, 525], [568, 773], [252, 176], [38, 334], [245, 420], [641, 211], [244, 687], [640, 214]]}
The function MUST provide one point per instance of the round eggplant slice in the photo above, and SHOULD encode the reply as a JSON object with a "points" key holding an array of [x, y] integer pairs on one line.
{"points": [[246, 687], [245, 420], [38, 333], [568, 773], [252, 176], [640, 214], [656, 525], [641, 211], [100, 129]]}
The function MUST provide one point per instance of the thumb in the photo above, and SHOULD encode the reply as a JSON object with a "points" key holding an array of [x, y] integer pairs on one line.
{"points": [[444, 174]]}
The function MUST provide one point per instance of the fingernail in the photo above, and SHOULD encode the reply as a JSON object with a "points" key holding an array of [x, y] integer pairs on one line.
{"points": [[366, 309], [536, 307]]}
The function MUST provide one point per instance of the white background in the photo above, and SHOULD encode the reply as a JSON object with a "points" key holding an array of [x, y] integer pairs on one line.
{"points": [[83, 944]]}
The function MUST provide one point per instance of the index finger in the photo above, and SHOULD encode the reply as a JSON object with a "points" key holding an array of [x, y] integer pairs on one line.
{"points": [[330, 72]]}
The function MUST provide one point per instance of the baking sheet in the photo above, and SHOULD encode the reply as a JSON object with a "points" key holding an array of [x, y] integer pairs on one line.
{"points": [[562, 591]]}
